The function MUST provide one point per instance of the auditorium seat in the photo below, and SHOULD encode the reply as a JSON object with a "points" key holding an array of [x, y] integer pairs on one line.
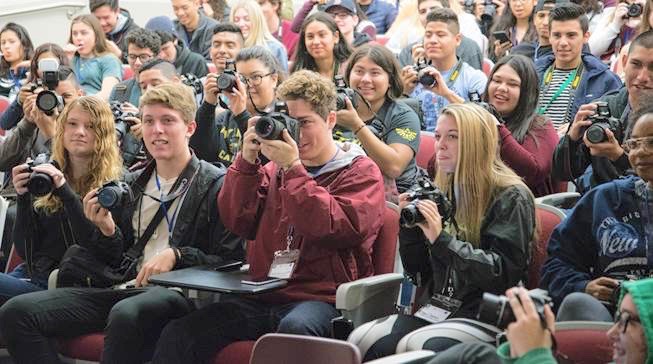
{"points": [[583, 342], [548, 217], [426, 148], [4, 104], [127, 73]]}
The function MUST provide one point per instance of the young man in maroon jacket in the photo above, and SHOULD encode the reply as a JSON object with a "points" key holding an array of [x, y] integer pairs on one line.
{"points": [[312, 215]]}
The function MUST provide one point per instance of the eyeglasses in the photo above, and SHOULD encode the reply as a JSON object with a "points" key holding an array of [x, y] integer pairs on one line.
{"points": [[623, 319], [143, 57], [342, 15], [256, 79], [633, 144]]}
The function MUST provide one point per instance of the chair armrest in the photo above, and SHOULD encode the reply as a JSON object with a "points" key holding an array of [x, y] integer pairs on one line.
{"points": [[52, 279], [563, 200], [411, 357], [369, 298]]}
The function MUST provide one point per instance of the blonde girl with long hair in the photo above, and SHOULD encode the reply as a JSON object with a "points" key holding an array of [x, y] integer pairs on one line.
{"points": [[484, 248], [248, 16], [84, 156]]}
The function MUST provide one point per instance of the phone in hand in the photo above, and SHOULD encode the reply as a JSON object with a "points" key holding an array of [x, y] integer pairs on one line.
{"points": [[501, 36]]}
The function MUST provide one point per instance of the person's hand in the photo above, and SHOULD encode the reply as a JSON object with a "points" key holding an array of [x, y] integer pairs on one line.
{"points": [[208, 10], [348, 118], [500, 49], [238, 97], [163, 262], [251, 142], [440, 87], [25, 91], [113, 48], [609, 148], [135, 124], [501, 6], [432, 224], [97, 214], [28, 105], [211, 89], [418, 52], [408, 79], [580, 123], [57, 176], [20, 176], [526, 333], [45, 123], [620, 15], [284, 153], [70, 50], [403, 200], [601, 288]]}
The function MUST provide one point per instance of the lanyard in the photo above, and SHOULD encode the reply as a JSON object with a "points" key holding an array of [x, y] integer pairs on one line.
{"points": [[170, 221], [573, 76], [455, 73]]}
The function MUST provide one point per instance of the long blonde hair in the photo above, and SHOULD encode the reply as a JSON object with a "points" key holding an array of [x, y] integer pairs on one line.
{"points": [[105, 164], [259, 34], [480, 173]]}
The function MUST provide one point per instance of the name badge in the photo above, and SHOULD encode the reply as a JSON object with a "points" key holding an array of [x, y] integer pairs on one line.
{"points": [[284, 264], [439, 309]]}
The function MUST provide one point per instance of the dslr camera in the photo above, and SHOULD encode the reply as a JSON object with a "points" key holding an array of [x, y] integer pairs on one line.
{"points": [[424, 78], [115, 195], [271, 126], [40, 184], [489, 12], [634, 10], [193, 82], [425, 190], [120, 116], [343, 92], [496, 310], [47, 100], [227, 79], [602, 121]]}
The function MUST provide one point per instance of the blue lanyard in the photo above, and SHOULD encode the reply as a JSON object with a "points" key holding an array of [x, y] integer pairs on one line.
{"points": [[170, 221]]}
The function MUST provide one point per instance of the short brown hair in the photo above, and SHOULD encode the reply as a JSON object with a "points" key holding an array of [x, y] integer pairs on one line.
{"points": [[444, 15], [175, 96], [311, 87]]}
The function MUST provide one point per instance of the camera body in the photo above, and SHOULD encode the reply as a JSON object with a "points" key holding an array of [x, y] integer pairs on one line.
{"points": [[47, 100], [271, 125], [423, 77], [490, 10], [115, 195], [193, 82], [40, 184], [602, 121], [343, 92], [425, 190], [120, 116], [227, 79], [634, 10], [496, 310]]}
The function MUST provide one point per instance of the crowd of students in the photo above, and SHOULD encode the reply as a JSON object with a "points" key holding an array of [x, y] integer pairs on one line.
{"points": [[508, 89]]}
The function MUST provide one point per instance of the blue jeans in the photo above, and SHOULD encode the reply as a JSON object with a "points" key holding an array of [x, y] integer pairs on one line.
{"points": [[196, 337], [17, 282]]}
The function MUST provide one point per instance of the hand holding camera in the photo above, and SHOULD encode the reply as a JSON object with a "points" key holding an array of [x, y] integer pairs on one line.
{"points": [[97, 214], [426, 206], [38, 177], [601, 136], [408, 79], [251, 142], [581, 121], [278, 135], [529, 330]]}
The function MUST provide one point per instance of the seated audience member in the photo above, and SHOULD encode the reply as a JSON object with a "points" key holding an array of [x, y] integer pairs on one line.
{"points": [[604, 239], [84, 157], [219, 138], [575, 153], [517, 21], [191, 235], [247, 15], [116, 24], [387, 129], [143, 45], [14, 113], [527, 139], [321, 48], [173, 52], [454, 79], [281, 29], [96, 68], [193, 28], [484, 247], [541, 46], [321, 200], [345, 13], [379, 12], [615, 29], [16, 50], [568, 77], [364, 25], [468, 50]]}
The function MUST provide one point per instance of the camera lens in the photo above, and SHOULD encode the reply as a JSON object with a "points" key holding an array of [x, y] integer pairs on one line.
{"points": [[410, 216], [268, 128], [426, 79], [108, 197], [46, 101], [40, 184], [226, 82], [596, 133], [495, 310], [634, 10]]}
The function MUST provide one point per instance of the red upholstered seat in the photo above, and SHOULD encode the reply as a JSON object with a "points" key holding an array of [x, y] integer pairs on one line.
{"points": [[548, 218], [426, 148], [127, 73], [584, 342], [13, 261], [86, 347], [4, 104], [238, 352]]}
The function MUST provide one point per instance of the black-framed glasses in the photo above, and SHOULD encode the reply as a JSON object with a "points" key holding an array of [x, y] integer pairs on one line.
{"points": [[143, 57], [636, 143], [256, 79], [623, 319]]}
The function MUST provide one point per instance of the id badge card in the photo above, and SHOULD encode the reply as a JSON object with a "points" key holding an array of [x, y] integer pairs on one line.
{"points": [[284, 263], [438, 309]]}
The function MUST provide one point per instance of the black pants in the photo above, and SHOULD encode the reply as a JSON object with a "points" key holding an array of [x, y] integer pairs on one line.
{"points": [[196, 337], [132, 320]]}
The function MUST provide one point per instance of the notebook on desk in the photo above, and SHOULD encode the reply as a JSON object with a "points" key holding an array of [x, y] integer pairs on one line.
{"points": [[208, 279]]}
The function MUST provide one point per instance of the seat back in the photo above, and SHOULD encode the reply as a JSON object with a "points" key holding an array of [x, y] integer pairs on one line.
{"points": [[385, 246], [4, 104], [426, 148], [584, 342], [127, 73], [296, 349], [561, 200], [548, 217]]}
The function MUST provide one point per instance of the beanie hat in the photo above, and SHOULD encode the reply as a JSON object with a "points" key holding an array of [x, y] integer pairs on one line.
{"points": [[642, 294], [162, 23]]}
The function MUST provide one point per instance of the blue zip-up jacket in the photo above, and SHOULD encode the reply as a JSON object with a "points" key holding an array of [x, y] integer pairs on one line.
{"points": [[596, 79], [12, 115], [382, 14], [604, 236]]}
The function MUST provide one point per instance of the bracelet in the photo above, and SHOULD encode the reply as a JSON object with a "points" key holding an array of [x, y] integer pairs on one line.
{"points": [[359, 129], [177, 255]]}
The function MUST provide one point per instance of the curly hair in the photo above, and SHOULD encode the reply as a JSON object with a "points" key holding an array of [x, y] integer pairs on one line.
{"points": [[105, 164], [311, 87]]}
